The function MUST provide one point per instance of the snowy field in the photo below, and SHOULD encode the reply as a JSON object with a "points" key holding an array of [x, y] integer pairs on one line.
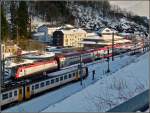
{"points": [[110, 91], [97, 95]]}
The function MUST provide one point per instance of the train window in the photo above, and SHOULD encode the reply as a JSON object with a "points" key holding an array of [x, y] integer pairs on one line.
{"points": [[42, 84], [79, 72], [52, 81], [69, 75], [47, 82], [33, 87], [65, 77], [5, 96], [20, 91], [74, 74], [10, 94], [28, 88], [57, 79], [61, 78], [15, 93], [36, 86]]}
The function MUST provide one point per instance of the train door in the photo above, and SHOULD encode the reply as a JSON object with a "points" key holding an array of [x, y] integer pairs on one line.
{"points": [[27, 92], [77, 74], [20, 94]]}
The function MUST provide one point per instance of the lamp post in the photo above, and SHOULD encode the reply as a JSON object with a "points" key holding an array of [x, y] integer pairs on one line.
{"points": [[80, 68], [108, 69], [113, 46]]}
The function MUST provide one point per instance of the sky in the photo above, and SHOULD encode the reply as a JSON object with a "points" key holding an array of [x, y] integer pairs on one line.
{"points": [[139, 7]]}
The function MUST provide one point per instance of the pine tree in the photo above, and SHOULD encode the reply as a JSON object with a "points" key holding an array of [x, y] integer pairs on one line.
{"points": [[22, 19], [4, 26], [13, 11]]}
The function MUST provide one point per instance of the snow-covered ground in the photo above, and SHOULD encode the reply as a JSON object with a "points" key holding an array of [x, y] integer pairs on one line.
{"points": [[110, 91], [83, 98]]}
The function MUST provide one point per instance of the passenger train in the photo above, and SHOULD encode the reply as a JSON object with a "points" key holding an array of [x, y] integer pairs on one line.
{"points": [[59, 61], [26, 91], [43, 67]]}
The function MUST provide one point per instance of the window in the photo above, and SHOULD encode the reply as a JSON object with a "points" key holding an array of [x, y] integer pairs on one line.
{"points": [[33, 87], [20, 91], [10, 94], [15, 93], [65, 77], [28, 89], [42, 84], [74, 74], [57, 79], [61, 78], [52, 81], [79, 72], [47, 82], [36, 86], [69, 75], [5, 96]]}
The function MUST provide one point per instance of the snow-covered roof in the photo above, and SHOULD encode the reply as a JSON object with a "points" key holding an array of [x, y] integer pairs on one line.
{"points": [[68, 26], [40, 56], [38, 34], [107, 30], [92, 34], [87, 42], [106, 42], [94, 37], [72, 31], [10, 64]]}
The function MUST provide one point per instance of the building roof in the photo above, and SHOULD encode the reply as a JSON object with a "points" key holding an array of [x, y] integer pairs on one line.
{"points": [[106, 30], [38, 34], [72, 31]]}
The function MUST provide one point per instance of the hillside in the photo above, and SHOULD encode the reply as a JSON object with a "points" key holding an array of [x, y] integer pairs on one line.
{"points": [[87, 14], [94, 15]]}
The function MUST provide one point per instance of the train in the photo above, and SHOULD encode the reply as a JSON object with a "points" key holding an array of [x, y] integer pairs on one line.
{"points": [[30, 89], [40, 68], [66, 73]]}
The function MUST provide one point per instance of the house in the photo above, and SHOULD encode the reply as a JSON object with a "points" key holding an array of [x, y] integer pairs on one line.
{"points": [[44, 34], [103, 38], [9, 50], [69, 37]]}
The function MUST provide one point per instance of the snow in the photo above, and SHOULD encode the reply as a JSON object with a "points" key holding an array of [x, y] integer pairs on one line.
{"points": [[10, 64], [71, 31], [36, 56], [91, 18], [109, 92], [23, 52], [87, 42], [76, 96]]}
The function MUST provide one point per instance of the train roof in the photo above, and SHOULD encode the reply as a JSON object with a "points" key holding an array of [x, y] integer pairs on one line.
{"points": [[64, 70], [13, 64]]}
